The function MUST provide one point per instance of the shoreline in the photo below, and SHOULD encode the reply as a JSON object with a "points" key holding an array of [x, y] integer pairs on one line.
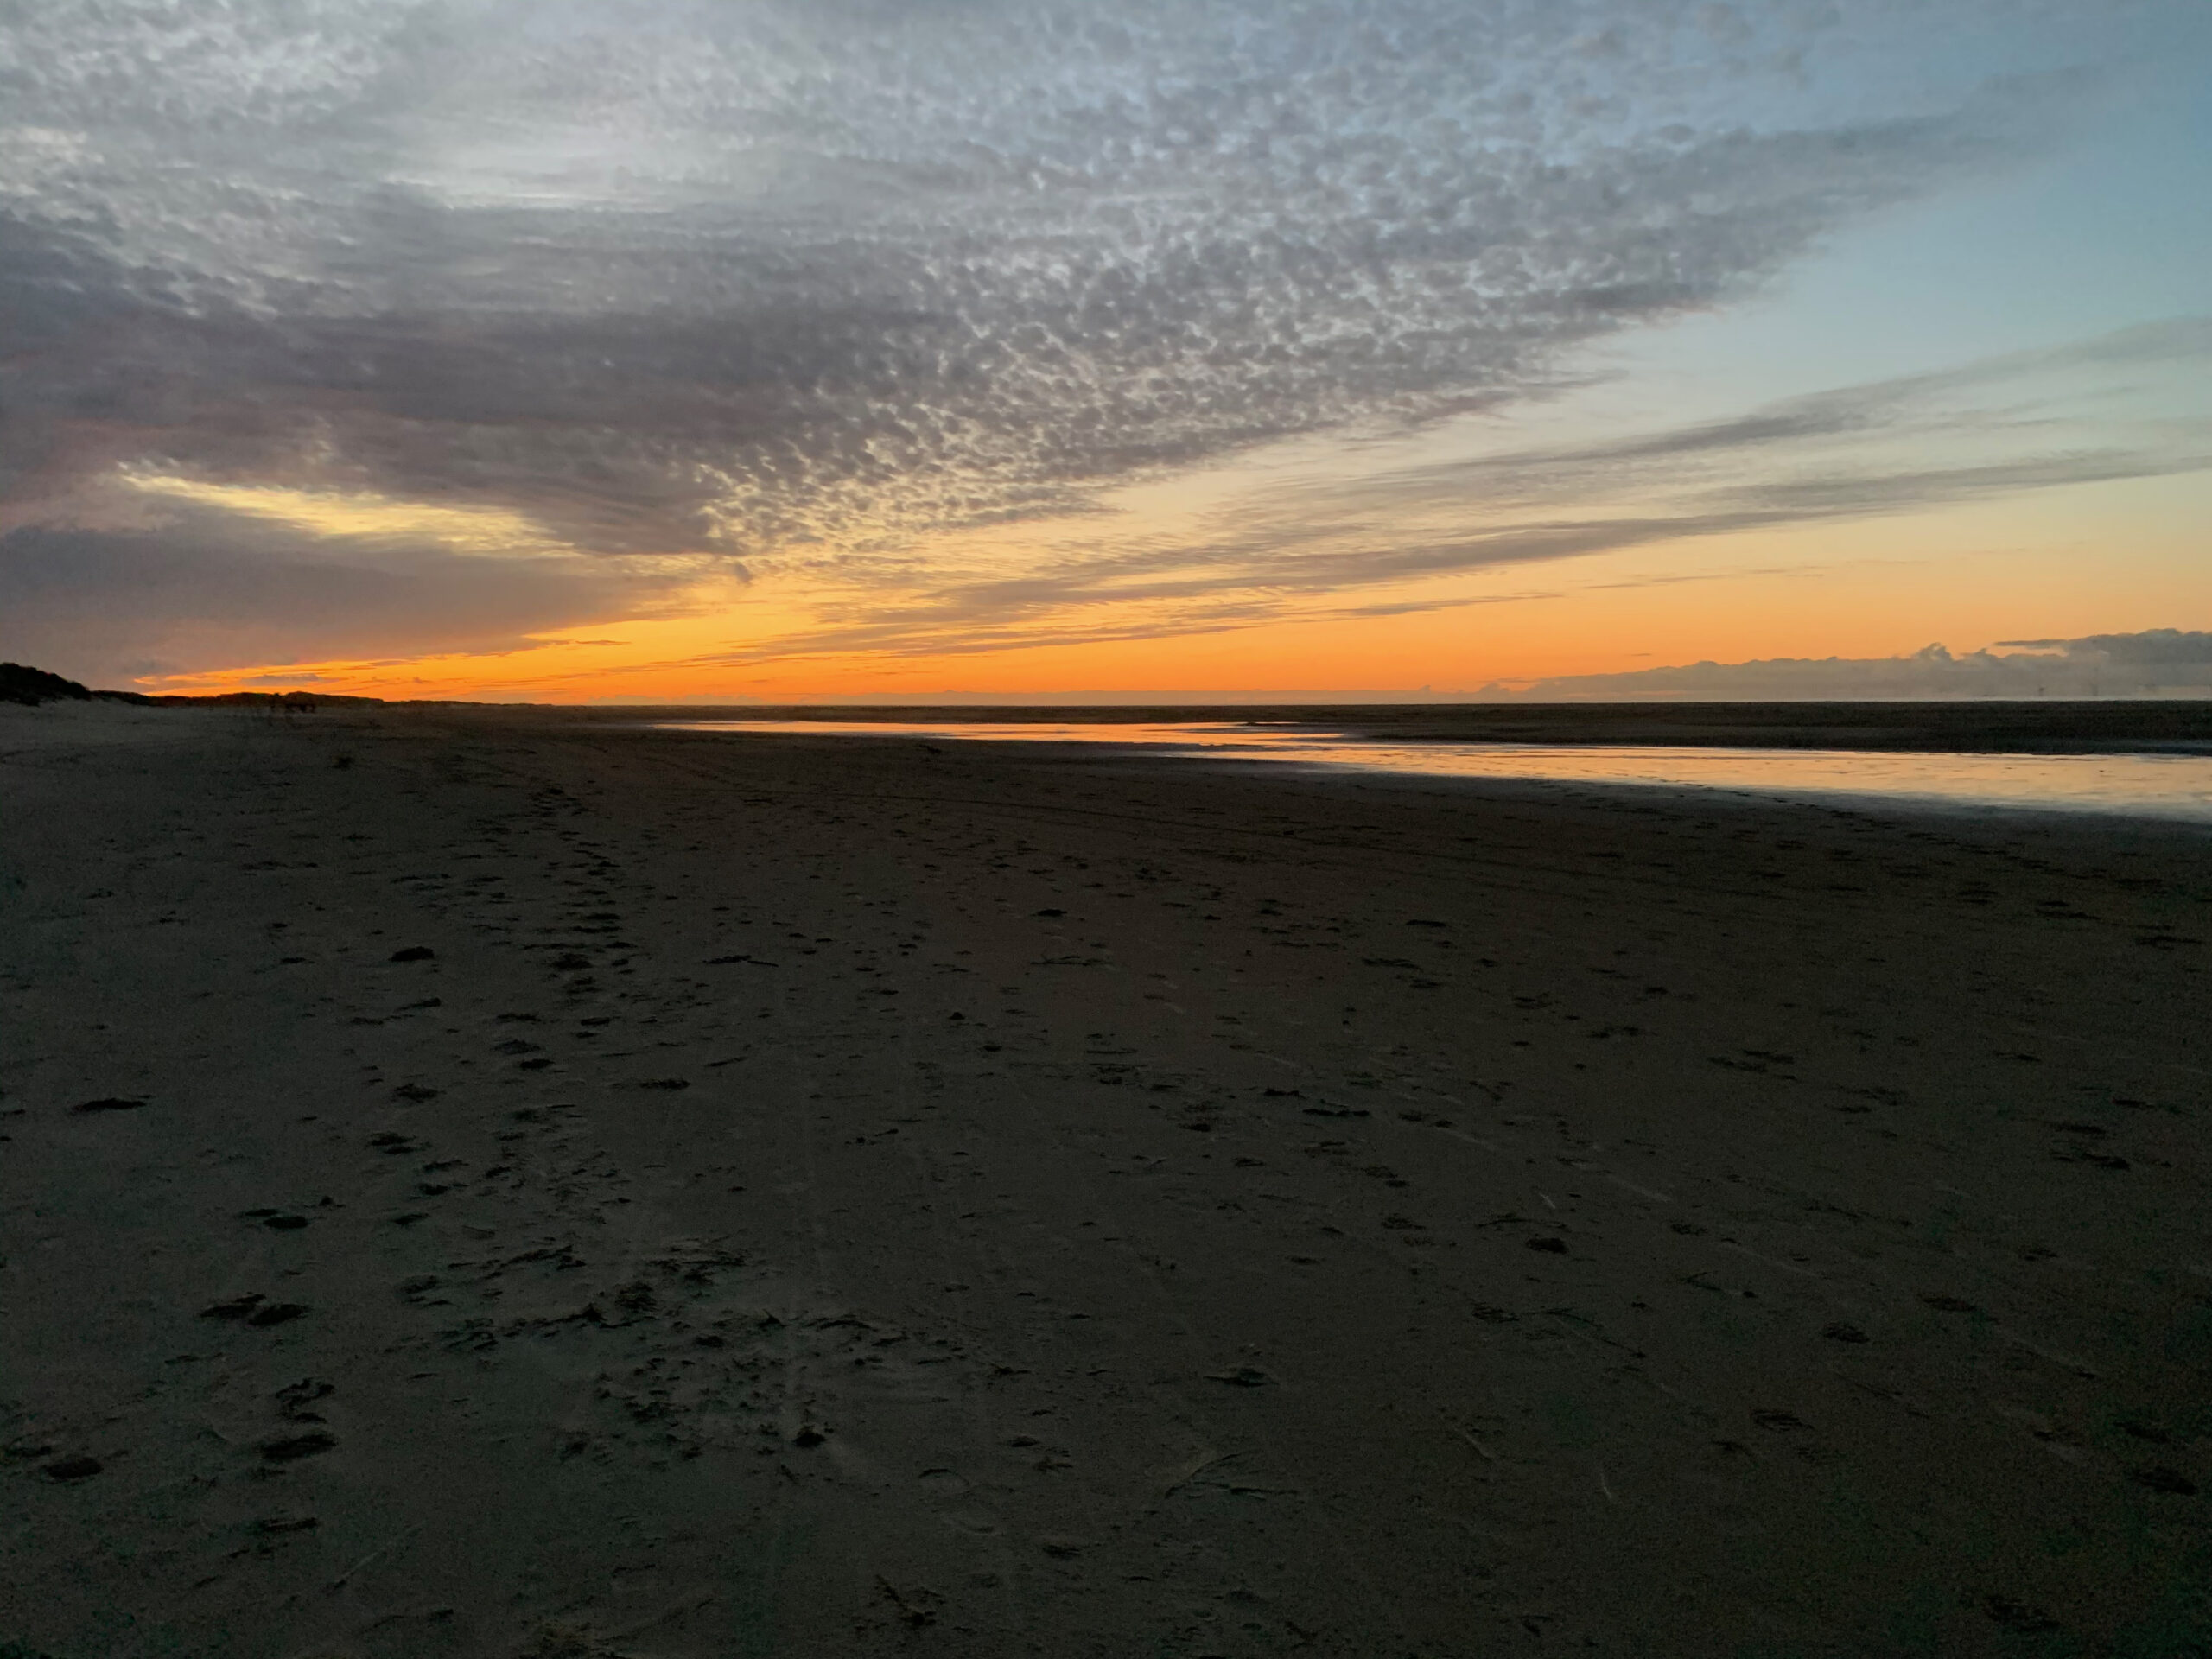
{"points": [[2131, 726], [1985, 726], [1685, 792]]}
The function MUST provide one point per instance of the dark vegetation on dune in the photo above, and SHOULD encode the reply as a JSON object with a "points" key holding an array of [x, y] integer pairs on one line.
{"points": [[21, 684]]}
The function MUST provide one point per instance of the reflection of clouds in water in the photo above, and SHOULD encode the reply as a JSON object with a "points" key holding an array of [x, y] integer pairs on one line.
{"points": [[2145, 785]]}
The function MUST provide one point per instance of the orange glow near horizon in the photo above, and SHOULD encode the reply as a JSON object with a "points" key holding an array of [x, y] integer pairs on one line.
{"points": [[1872, 609], [2089, 559]]}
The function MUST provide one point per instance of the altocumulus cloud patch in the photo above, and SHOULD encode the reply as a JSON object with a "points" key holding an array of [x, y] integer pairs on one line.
{"points": [[785, 286]]}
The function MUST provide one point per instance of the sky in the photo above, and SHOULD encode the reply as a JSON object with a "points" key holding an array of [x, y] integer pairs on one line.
{"points": [[708, 350]]}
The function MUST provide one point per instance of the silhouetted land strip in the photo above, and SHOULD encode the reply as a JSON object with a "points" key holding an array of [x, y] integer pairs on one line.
{"points": [[2038, 727], [2024, 728], [29, 687]]}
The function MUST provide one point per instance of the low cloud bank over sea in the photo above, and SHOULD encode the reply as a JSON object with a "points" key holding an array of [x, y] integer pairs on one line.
{"points": [[2157, 662]]}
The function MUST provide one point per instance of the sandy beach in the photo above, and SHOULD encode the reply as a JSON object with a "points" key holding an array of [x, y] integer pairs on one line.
{"points": [[503, 1183]]}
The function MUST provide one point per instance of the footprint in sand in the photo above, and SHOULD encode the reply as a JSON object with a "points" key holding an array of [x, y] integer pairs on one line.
{"points": [[292, 1448], [254, 1309]]}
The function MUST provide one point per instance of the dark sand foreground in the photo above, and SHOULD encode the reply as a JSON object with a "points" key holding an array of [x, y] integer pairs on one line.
{"points": [[831, 1197]]}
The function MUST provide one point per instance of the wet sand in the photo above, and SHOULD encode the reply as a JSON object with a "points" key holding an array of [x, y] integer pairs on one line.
{"points": [[1955, 727], [498, 1183]]}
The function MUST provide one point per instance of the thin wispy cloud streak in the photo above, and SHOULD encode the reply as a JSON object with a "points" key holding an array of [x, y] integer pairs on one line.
{"points": [[1849, 453], [794, 291]]}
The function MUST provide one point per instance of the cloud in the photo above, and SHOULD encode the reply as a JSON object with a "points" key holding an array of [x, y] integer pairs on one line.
{"points": [[199, 589], [797, 287], [2162, 662], [2160, 648], [1986, 428]]}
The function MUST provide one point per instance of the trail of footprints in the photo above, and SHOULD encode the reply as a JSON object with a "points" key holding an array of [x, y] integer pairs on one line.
{"points": [[513, 1236]]}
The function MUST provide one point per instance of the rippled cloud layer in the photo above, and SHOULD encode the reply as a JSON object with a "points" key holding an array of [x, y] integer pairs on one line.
{"points": [[678, 291]]}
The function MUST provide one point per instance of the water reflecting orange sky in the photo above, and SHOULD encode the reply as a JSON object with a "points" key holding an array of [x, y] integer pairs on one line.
{"points": [[2167, 787]]}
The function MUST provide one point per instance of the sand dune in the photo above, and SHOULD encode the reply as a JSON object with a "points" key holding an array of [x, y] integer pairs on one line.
{"points": [[487, 1183]]}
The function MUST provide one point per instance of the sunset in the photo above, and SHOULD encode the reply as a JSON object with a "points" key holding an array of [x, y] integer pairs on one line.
{"points": [[684, 351], [1103, 828]]}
